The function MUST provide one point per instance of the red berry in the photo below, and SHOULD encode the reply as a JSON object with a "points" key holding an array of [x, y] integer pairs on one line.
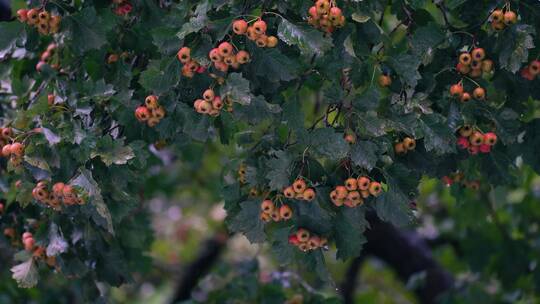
{"points": [[463, 142], [484, 148], [142, 113]]}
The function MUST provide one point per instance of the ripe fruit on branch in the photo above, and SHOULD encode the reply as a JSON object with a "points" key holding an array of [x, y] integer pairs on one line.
{"points": [[354, 191], [474, 64], [211, 104], [45, 22], [300, 190], [501, 18], [151, 112], [402, 147], [306, 240], [325, 15], [475, 141], [385, 80], [256, 32]]}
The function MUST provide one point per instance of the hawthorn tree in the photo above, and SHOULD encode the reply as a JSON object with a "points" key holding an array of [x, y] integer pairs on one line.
{"points": [[323, 112]]}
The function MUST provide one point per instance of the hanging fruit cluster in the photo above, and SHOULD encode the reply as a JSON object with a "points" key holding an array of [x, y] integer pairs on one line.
{"points": [[407, 144], [122, 7], [45, 22], [151, 112], [269, 211], [457, 91], [224, 57], [29, 244], [474, 63], [55, 196], [46, 58], [475, 141], [299, 190], [255, 32], [306, 241], [501, 18], [325, 15], [531, 70], [211, 104], [242, 173], [15, 150], [459, 177], [354, 191], [190, 65]]}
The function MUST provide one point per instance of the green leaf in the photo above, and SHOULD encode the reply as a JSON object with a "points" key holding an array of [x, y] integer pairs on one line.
{"points": [[364, 154], [438, 136], [309, 40], [328, 143], [257, 111], [367, 100], [26, 274], [279, 170], [112, 152], [426, 38], [86, 30], [273, 65], [85, 180], [161, 75], [393, 205], [196, 23], [349, 227], [11, 31], [237, 89], [406, 66], [513, 46], [247, 221], [51, 137]]}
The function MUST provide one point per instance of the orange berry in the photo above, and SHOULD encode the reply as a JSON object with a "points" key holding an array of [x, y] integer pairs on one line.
{"points": [[58, 189], [341, 192], [487, 65], [209, 95], [302, 235], [479, 93], [32, 16], [465, 97], [497, 15], [240, 27], [251, 33], [289, 192], [363, 183], [399, 148], [309, 194], [299, 185], [261, 41], [465, 131], [260, 27], [276, 217], [465, 58], [375, 188], [478, 54], [476, 138], [534, 67], [510, 18], [409, 143], [184, 54], [385, 81], [22, 15], [314, 242], [6, 150], [285, 212], [456, 90], [142, 113], [242, 57], [271, 41], [267, 206], [225, 49], [490, 138], [17, 149], [313, 12], [215, 55], [351, 184]]}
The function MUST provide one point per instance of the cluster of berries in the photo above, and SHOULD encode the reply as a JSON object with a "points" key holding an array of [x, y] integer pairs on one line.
{"points": [[46, 57], [269, 211], [531, 71], [457, 91], [458, 177], [307, 241], [15, 150], [255, 32], [326, 16], [474, 63], [224, 57], [475, 141], [500, 18], [113, 57], [354, 191], [58, 194], [151, 112], [122, 7], [190, 65], [29, 244], [385, 80], [300, 191], [211, 104], [407, 144], [45, 22]]}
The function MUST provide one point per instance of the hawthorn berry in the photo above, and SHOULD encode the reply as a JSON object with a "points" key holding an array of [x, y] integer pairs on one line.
{"points": [[225, 49], [312, 13], [354, 197], [483, 148], [490, 138], [473, 150], [335, 14], [351, 184], [476, 138], [261, 40], [497, 15], [302, 235], [309, 194], [217, 103], [322, 6], [242, 57], [230, 60], [465, 97], [184, 54], [6, 150], [463, 142], [215, 55], [142, 113], [479, 93], [510, 18], [7, 132], [534, 67], [32, 16], [276, 217], [251, 33], [456, 90], [240, 27], [285, 212], [29, 243], [462, 68], [267, 206], [341, 192], [299, 185], [363, 183], [151, 102], [221, 66], [409, 143], [271, 41], [152, 122], [289, 192], [22, 15], [465, 58], [209, 95], [350, 138], [525, 73], [465, 131], [158, 113], [497, 26], [314, 242], [293, 239], [478, 54], [375, 188], [385, 80], [260, 27], [399, 148]]}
